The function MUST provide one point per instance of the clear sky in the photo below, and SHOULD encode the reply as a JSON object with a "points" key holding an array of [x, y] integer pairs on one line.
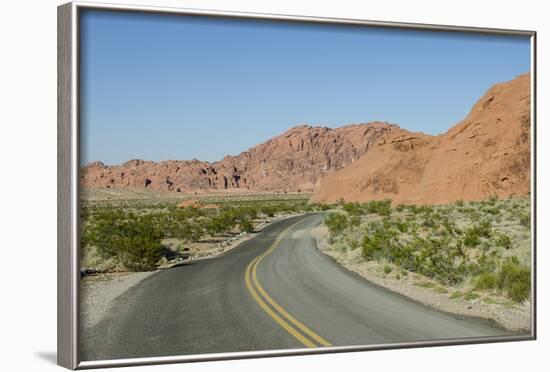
{"points": [[161, 87]]}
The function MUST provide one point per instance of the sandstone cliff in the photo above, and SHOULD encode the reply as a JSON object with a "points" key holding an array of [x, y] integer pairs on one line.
{"points": [[486, 154]]}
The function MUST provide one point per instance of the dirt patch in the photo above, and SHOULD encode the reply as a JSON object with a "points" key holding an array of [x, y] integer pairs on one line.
{"points": [[97, 293]]}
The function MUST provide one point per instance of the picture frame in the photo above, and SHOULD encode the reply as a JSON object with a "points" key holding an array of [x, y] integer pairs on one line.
{"points": [[69, 188]]}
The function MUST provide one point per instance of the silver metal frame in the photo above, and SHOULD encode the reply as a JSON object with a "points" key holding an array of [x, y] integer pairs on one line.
{"points": [[68, 251]]}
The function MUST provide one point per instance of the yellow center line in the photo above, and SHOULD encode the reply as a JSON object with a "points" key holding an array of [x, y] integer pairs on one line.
{"points": [[253, 283], [273, 315]]}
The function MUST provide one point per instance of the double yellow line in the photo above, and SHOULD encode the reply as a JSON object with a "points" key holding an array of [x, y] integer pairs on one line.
{"points": [[290, 324]]}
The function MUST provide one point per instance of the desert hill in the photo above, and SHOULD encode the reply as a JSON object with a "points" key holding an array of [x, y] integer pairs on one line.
{"points": [[487, 154], [295, 161]]}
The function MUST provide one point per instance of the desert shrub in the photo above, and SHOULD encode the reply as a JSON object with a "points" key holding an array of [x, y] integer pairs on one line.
{"points": [[450, 226], [429, 221], [352, 242], [403, 256], [353, 209], [422, 209], [246, 226], [220, 223], [195, 231], [503, 240], [440, 259], [336, 223], [251, 213], [320, 207], [355, 221], [487, 280], [402, 226], [139, 253], [378, 243], [268, 210], [131, 240], [485, 263], [514, 280], [380, 207], [470, 238], [484, 229], [178, 229], [525, 220]]}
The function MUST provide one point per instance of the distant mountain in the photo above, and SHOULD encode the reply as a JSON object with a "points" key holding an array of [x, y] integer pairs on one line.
{"points": [[486, 154], [295, 161]]}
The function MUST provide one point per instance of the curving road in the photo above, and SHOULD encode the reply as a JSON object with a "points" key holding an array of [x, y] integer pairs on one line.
{"points": [[273, 291]]}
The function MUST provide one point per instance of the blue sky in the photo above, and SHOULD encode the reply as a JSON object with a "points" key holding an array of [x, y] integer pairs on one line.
{"points": [[161, 87]]}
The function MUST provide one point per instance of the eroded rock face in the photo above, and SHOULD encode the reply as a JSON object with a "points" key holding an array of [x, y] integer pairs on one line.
{"points": [[296, 161], [487, 154]]}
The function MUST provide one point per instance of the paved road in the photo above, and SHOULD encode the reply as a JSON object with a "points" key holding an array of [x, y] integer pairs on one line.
{"points": [[274, 291]]}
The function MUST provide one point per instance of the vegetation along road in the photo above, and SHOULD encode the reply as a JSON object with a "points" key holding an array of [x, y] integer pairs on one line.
{"points": [[274, 291]]}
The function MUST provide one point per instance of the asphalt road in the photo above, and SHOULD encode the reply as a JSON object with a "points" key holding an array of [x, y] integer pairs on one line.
{"points": [[274, 291]]}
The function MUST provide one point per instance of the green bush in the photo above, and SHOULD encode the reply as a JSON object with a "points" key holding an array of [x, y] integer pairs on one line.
{"points": [[139, 253], [485, 281], [378, 243], [525, 220], [246, 226], [484, 229], [402, 226], [353, 209], [268, 210], [503, 240], [439, 259], [380, 207], [336, 223], [220, 223], [355, 221], [470, 238], [514, 280], [131, 240]]}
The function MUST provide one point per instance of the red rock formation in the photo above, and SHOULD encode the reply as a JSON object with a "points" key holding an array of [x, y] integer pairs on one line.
{"points": [[486, 154], [296, 161]]}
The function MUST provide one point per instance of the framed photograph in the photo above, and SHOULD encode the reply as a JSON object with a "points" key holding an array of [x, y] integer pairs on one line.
{"points": [[238, 185]]}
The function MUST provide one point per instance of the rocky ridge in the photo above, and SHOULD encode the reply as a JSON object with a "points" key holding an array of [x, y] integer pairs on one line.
{"points": [[295, 161]]}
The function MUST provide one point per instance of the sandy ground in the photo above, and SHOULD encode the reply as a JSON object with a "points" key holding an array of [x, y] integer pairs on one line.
{"points": [[515, 317], [97, 293]]}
